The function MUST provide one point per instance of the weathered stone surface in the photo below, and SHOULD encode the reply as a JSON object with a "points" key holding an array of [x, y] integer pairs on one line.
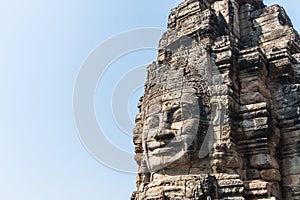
{"points": [[271, 175], [220, 116]]}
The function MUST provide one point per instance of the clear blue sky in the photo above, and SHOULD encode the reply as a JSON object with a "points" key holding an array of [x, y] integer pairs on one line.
{"points": [[42, 46]]}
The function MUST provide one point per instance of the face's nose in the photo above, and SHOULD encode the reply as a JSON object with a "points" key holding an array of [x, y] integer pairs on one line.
{"points": [[164, 132]]}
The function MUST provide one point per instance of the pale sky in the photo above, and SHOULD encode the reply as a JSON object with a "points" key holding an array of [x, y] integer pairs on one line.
{"points": [[43, 46]]}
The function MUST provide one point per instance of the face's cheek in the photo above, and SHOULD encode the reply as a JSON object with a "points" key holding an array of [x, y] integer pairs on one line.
{"points": [[148, 139], [151, 133], [187, 140], [151, 127], [190, 127], [153, 121]]}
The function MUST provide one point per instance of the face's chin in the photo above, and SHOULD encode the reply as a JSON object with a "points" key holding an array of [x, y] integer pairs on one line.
{"points": [[163, 160], [167, 149], [164, 153]]}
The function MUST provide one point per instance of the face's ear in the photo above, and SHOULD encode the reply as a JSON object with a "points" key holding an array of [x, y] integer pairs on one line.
{"points": [[138, 158], [138, 139]]}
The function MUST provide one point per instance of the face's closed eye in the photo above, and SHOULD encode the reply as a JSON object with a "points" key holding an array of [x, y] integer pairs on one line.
{"points": [[183, 113], [177, 116]]}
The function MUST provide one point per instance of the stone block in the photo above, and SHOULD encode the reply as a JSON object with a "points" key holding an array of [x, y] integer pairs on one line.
{"points": [[271, 175], [263, 161]]}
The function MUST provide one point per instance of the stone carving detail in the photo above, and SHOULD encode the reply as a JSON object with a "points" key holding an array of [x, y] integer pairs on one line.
{"points": [[219, 118]]}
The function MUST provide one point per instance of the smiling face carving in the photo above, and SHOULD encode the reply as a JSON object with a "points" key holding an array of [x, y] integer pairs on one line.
{"points": [[170, 128], [174, 110]]}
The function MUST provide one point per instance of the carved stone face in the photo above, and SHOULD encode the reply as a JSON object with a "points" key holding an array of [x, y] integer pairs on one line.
{"points": [[170, 127]]}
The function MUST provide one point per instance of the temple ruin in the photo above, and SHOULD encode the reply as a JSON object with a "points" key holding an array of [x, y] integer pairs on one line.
{"points": [[220, 116]]}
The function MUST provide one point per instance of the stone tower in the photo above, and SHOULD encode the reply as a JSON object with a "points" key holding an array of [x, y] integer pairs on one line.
{"points": [[220, 116]]}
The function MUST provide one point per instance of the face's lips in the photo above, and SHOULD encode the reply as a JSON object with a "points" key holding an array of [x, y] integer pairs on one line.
{"points": [[161, 139], [155, 145], [168, 147]]}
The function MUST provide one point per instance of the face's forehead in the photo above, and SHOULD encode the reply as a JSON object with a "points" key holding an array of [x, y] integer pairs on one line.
{"points": [[171, 100], [189, 98]]}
